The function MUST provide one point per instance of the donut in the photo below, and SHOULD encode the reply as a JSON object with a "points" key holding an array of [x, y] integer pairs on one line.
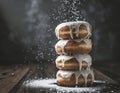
{"points": [[75, 78], [70, 47], [75, 62], [73, 30]]}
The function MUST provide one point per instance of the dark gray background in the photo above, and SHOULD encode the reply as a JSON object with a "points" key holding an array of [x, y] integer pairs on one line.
{"points": [[27, 29]]}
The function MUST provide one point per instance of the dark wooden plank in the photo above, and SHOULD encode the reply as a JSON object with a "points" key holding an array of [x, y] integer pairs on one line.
{"points": [[100, 76], [13, 76]]}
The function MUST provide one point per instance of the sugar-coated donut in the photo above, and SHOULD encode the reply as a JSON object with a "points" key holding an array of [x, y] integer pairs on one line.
{"points": [[75, 62], [73, 30], [70, 47], [75, 78]]}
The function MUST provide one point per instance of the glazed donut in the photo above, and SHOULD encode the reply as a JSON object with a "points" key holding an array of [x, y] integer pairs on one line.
{"points": [[76, 62], [75, 78], [70, 47], [73, 30]]}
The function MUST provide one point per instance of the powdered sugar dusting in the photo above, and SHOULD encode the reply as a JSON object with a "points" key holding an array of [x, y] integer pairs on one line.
{"points": [[51, 85]]}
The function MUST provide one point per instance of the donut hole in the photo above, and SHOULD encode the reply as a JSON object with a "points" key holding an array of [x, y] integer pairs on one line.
{"points": [[84, 65], [82, 27]]}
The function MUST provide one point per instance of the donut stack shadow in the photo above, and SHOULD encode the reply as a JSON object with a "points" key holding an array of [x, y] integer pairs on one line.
{"points": [[74, 62]]}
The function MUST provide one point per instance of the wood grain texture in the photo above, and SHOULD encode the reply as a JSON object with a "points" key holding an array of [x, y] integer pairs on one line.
{"points": [[14, 76], [8, 81]]}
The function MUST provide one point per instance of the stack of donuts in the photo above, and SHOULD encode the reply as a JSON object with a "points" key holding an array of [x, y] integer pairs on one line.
{"points": [[73, 48]]}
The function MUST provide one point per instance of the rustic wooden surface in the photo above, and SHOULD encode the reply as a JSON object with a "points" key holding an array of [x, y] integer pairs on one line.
{"points": [[36, 71], [10, 76]]}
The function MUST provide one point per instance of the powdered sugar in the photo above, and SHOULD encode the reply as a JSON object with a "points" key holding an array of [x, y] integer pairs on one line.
{"points": [[52, 87]]}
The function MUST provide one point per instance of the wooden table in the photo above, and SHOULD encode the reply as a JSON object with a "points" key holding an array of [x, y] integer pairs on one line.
{"points": [[13, 76], [10, 76]]}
